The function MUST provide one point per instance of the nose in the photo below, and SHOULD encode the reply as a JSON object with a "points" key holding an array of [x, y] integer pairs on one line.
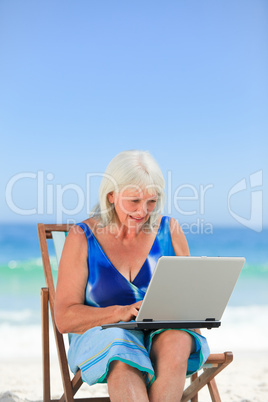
{"points": [[142, 209]]}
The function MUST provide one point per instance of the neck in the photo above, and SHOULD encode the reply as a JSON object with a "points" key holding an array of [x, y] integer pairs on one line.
{"points": [[123, 232]]}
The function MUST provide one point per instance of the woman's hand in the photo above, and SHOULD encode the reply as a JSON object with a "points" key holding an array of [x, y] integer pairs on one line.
{"points": [[128, 313]]}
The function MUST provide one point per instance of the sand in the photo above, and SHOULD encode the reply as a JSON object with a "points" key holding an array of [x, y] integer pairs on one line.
{"points": [[246, 379]]}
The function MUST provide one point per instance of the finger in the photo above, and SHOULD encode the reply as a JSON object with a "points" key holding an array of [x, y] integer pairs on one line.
{"points": [[138, 304], [135, 312]]}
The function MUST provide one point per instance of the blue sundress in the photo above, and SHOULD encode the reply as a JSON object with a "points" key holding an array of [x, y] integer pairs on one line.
{"points": [[94, 350]]}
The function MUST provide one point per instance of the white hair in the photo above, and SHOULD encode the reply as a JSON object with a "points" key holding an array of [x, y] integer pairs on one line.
{"points": [[130, 169]]}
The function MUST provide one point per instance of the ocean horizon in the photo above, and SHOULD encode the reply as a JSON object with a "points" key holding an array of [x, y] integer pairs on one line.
{"points": [[22, 277]]}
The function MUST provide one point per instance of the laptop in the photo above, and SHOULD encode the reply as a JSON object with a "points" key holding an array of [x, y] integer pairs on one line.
{"points": [[186, 292]]}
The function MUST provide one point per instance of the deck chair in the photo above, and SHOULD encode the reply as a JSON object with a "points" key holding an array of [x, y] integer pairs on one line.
{"points": [[213, 366]]}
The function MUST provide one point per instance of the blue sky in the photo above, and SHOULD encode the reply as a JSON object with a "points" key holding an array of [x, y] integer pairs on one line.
{"points": [[83, 80]]}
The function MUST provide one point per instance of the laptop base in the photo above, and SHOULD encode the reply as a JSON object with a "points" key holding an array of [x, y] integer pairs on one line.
{"points": [[150, 324]]}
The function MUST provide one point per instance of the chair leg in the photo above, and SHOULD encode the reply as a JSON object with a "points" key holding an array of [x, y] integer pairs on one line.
{"points": [[64, 368], [213, 390], [68, 391], [206, 377], [77, 381], [45, 344]]}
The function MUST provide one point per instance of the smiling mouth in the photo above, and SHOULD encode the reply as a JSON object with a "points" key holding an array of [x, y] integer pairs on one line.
{"points": [[137, 219]]}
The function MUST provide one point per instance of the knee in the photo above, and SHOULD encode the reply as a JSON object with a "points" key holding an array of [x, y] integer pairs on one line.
{"points": [[185, 345], [174, 342], [178, 361], [117, 367], [173, 349]]}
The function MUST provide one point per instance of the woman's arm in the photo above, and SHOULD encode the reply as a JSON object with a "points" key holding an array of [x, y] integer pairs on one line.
{"points": [[178, 239], [71, 314]]}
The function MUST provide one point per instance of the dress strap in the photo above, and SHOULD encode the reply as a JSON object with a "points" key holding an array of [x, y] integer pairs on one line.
{"points": [[164, 237], [86, 230]]}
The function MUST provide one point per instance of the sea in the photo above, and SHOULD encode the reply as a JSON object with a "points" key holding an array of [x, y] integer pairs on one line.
{"points": [[244, 323]]}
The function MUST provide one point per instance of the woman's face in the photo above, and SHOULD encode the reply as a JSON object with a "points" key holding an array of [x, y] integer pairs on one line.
{"points": [[133, 206]]}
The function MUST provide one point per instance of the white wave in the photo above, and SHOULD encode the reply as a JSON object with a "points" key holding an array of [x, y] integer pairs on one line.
{"points": [[33, 263], [18, 316], [242, 328], [23, 341]]}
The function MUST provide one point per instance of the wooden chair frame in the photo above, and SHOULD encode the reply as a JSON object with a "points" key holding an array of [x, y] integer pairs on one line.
{"points": [[214, 364]]}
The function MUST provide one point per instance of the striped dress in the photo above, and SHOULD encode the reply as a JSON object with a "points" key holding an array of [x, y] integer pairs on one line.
{"points": [[94, 350]]}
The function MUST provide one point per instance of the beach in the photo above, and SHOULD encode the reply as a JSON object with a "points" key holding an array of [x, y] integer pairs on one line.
{"points": [[243, 330], [245, 379]]}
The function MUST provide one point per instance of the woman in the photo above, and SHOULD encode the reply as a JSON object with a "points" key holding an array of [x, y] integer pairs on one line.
{"points": [[105, 269]]}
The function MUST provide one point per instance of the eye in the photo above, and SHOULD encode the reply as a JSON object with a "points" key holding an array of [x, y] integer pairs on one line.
{"points": [[152, 201]]}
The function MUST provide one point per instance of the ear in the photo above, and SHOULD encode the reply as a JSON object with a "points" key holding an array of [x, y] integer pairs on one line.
{"points": [[110, 197]]}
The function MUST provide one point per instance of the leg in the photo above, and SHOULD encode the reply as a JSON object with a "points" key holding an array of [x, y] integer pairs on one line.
{"points": [[126, 383], [170, 352]]}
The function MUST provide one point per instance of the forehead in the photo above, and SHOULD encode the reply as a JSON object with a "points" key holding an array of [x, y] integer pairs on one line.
{"points": [[139, 192]]}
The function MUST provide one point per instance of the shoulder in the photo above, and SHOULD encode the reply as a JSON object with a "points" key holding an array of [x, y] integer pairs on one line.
{"points": [[170, 224], [174, 226], [75, 246], [94, 225], [80, 229], [76, 237], [178, 238]]}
